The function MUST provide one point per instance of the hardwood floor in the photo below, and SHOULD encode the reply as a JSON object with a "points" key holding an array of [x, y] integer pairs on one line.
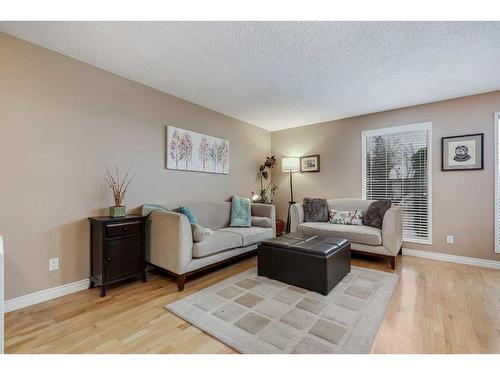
{"points": [[437, 307]]}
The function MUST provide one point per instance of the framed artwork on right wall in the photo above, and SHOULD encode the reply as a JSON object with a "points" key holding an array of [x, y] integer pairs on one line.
{"points": [[462, 152]]}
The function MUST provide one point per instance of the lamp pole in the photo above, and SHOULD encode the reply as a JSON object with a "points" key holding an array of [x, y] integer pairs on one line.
{"points": [[289, 205]]}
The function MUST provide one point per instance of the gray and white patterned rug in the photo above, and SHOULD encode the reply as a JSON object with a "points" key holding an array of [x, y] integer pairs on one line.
{"points": [[254, 314]]}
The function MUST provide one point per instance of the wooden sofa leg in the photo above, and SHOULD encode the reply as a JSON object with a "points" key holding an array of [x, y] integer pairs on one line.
{"points": [[393, 263], [181, 280]]}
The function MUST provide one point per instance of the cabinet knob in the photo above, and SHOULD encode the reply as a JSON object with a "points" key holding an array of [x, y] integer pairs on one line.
{"points": [[125, 228], [108, 259]]}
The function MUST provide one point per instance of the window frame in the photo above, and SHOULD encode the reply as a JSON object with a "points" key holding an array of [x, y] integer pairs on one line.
{"points": [[427, 126], [496, 126]]}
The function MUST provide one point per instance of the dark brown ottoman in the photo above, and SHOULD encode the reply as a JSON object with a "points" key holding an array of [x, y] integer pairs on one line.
{"points": [[312, 262]]}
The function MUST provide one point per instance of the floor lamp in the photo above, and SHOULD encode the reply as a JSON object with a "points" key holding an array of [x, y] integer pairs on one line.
{"points": [[290, 165]]}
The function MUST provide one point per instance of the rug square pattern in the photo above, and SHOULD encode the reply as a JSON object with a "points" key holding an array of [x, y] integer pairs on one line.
{"points": [[312, 305], [288, 297], [249, 300], [273, 309], [297, 289], [248, 283], [252, 323], [267, 289], [299, 319], [254, 314], [230, 292], [230, 312], [279, 335], [358, 291], [329, 331], [310, 346]]}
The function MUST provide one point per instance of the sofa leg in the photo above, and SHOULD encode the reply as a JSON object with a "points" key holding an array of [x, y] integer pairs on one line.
{"points": [[181, 280], [393, 263]]}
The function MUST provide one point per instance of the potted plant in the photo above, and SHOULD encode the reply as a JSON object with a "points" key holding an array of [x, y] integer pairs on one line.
{"points": [[118, 188], [267, 192]]}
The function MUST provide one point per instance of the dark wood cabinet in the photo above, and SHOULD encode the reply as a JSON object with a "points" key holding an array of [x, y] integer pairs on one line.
{"points": [[116, 250]]}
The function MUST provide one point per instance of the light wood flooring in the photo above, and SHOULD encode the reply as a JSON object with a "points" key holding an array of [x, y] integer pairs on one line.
{"points": [[437, 307]]}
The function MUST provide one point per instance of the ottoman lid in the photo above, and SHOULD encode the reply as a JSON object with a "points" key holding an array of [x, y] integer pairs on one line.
{"points": [[319, 245], [287, 240], [306, 243]]}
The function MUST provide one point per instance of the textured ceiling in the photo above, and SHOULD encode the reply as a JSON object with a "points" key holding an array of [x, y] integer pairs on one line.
{"points": [[278, 75]]}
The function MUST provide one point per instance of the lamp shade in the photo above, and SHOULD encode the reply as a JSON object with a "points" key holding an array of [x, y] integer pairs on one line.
{"points": [[290, 164]]}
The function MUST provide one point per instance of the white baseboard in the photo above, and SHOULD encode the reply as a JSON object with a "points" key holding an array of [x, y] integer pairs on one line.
{"points": [[453, 258], [44, 295]]}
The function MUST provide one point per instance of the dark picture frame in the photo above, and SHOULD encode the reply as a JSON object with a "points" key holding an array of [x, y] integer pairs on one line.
{"points": [[305, 159], [460, 145]]}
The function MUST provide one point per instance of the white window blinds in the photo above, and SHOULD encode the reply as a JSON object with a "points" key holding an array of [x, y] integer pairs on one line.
{"points": [[397, 166], [497, 182]]}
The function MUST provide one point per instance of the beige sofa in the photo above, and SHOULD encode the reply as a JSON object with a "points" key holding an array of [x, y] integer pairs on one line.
{"points": [[364, 239], [170, 244]]}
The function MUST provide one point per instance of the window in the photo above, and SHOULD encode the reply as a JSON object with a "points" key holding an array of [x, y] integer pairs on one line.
{"points": [[497, 182], [396, 165]]}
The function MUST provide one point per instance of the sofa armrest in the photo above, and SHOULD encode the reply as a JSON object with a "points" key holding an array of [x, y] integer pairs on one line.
{"points": [[392, 229], [296, 216], [265, 210], [171, 241]]}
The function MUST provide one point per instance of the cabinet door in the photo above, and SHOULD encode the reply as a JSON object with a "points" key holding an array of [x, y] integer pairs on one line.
{"points": [[123, 257]]}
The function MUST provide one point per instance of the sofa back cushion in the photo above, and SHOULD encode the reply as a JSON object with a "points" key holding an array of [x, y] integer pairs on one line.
{"points": [[349, 204], [213, 215]]}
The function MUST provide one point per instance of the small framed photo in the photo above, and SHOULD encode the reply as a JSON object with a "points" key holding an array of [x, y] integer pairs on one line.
{"points": [[462, 153], [309, 163]]}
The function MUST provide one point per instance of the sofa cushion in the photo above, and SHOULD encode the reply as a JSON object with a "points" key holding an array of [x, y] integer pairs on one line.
{"points": [[219, 241], [214, 215], [355, 233], [262, 222], [251, 235]]}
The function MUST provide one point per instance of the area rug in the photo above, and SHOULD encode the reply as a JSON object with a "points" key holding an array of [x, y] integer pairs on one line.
{"points": [[254, 314]]}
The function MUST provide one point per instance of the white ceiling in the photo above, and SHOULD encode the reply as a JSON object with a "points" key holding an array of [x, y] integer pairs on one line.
{"points": [[278, 75]]}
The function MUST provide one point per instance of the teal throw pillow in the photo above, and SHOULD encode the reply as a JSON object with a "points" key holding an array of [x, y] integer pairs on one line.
{"points": [[241, 215], [186, 211]]}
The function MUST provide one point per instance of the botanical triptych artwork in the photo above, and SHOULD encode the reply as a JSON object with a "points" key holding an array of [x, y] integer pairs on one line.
{"points": [[191, 151]]}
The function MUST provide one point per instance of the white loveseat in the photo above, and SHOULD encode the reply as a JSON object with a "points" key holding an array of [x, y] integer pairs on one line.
{"points": [[364, 239], [170, 244]]}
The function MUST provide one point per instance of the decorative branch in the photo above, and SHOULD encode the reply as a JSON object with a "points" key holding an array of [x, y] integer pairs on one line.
{"points": [[118, 187]]}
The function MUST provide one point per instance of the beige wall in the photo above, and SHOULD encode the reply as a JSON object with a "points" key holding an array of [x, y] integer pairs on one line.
{"points": [[61, 120], [463, 201]]}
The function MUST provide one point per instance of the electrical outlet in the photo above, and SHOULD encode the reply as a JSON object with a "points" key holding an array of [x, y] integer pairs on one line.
{"points": [[450, 239], [53, 264]]}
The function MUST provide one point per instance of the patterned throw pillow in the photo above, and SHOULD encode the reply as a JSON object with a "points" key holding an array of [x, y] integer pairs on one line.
{"points": [[354, 217]]}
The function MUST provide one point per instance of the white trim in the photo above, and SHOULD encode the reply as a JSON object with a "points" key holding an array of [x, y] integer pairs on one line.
{"points": [[45, 295], [398, 129], [496, 125], [427, 126], [452, 258]]}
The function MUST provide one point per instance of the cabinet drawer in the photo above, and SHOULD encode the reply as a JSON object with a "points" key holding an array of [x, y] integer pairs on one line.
{"points": [[123, 229]]}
